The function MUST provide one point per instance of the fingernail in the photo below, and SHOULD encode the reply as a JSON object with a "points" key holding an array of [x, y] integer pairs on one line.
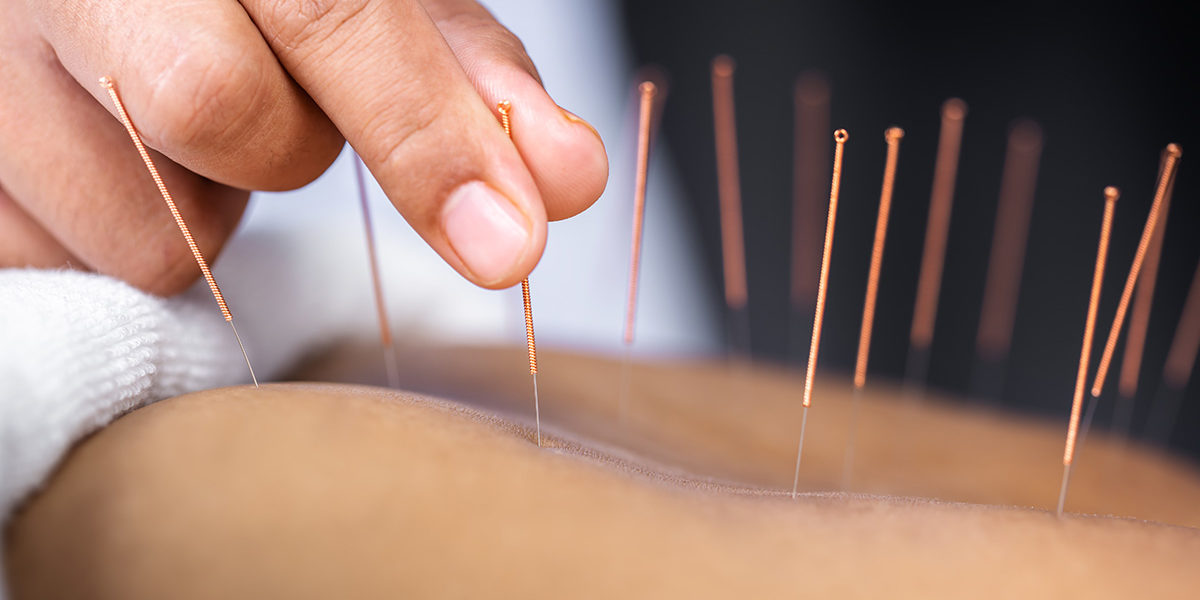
{"points": [[486, 231], [572, 117]]}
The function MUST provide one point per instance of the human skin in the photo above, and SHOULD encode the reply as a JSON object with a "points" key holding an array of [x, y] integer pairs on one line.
{"points": [[321, 490], [261, 95], [734, 421]]}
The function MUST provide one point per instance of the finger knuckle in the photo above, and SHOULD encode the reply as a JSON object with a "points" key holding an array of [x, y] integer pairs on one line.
{"points": [[422, 126], [204, 98], [429, 137], [296, 23]]}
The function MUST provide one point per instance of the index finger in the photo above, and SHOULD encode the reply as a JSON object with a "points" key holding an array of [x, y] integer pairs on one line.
{"points": [[384, 74]]}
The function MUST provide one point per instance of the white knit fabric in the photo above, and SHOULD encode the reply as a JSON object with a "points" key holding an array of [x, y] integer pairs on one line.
{"points": [[78, 349]]}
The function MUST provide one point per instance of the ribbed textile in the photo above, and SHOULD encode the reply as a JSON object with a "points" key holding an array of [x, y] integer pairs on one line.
{"points": [[78, 349]]}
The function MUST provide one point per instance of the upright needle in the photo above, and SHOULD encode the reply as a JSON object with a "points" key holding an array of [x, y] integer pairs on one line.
{"points": [[1110, 200], [1017, 187], [648, 91], [730, 196], [1174, 152], [840, 136], [505, 108], [111, 87], [809, 169], [1139, 322], [929, 284], [892, 136], [385, 327]]}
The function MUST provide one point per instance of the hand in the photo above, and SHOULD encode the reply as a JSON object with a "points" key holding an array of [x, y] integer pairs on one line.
{"points": [[259, 95]]}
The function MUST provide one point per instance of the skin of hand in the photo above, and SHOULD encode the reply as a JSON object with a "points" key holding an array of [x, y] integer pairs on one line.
{"points": [[261, 95]]}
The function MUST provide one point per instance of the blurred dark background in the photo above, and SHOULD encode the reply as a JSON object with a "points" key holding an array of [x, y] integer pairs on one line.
{"points": [[1109, 86]]}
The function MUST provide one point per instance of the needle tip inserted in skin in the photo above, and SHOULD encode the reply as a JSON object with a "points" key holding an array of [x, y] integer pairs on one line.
{"points": [[799, 451], [840, 136], [1110, 199], [537, 413], [505, 108], [110, 86], [385, 329]]}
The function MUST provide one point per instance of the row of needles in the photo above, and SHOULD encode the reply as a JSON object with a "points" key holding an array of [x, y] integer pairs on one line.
{"points": [[1004, 270], [390, 361], [1003, 273]]}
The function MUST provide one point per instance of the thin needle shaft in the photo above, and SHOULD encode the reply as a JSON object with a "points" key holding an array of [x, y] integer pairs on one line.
{"points": [[385, 327], [840, 136], [645, 121], [810, 166], [111, 87], [929, 283], [1110, 200], [799, 451], [531, 347], [639, 205], [1017, 186], [1143, 299], [243, 349], [537, 412], [729, 195], [892, 136], [1168, 171], [505, 108]]}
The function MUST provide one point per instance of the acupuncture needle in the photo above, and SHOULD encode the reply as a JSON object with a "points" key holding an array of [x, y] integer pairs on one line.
{"points": [[1110, 200], [892, 136], [385, 328], [505, 108], [839, 137], [729, 195], [929, 283], [656, 76], [1143, 282], [645, 119], [1139, 321], [1018, 183], [111, 86], [810, 167], [1174, 152]]}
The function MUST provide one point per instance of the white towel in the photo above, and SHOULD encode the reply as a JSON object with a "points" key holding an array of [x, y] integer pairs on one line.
{"points": [[78, 349]]}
